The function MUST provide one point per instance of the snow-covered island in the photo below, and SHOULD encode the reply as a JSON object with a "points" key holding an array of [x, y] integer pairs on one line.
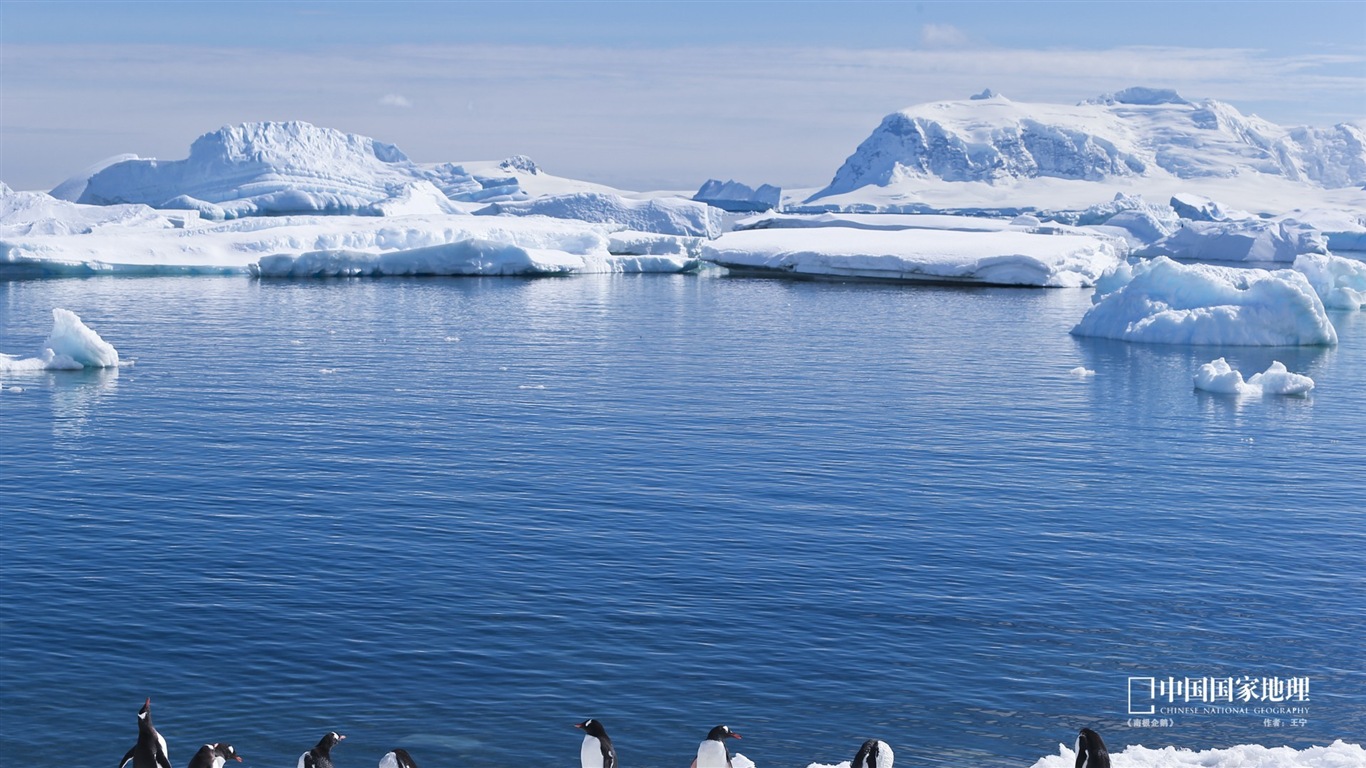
{"points": [[983, 191]]}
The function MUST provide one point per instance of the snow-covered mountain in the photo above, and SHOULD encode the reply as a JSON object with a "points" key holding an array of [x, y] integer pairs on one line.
{"points": [[294, 167], [1135, 133]]}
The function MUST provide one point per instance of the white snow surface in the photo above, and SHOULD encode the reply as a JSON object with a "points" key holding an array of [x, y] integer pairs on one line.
{"points": [[992, 139], [71, 345], [1339, 282], [1220, 378], [269, 168], [430, 243], [664, 215], [933, 255], [1160, 301], [1339, 754]]}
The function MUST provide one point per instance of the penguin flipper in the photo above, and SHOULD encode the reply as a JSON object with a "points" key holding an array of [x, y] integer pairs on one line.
{"points": [[609, 758], [306, 760], [127, 757], [163, 760]]}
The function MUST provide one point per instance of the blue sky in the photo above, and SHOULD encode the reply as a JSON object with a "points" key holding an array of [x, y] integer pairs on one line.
{"points": [[642, 95]]}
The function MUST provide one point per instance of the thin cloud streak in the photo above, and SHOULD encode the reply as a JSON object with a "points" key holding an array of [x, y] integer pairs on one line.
{"points": [[644, 120]]}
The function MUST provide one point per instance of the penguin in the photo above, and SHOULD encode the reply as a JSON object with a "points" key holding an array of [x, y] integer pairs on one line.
{"points": [[214, 756], [321, 755], [597, 751], [873, 754], [1091, 752], [398, 758], [150, 751], [712, 753]]}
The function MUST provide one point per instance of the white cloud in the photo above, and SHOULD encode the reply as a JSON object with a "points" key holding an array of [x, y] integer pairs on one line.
{"points": [[942, 36], [395, 100]]}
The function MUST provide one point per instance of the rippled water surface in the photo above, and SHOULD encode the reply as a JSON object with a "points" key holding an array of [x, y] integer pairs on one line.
{"points": [[461, 515]]}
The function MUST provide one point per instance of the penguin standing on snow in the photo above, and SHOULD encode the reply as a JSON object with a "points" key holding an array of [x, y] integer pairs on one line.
{"points": [[873, 754], [1091, 752], [150, 751], [597, 751], [399, 758], [321, 755], [712, 753], [214, 756]]}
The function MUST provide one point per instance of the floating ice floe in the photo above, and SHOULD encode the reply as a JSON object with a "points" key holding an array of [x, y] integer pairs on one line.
{"points": [[1220, 378], [1160, 301], [431, 243], [1082, 372], [913, 255], [1339, 282], [1339, 754], [72, 345]]}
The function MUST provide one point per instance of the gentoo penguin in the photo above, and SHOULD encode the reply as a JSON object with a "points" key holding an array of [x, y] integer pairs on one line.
{"points": [[1091, 752], [150, 751], [399, 758], [214, 756], [712, 753], [321, 755], [596, 751], [873, 754]]}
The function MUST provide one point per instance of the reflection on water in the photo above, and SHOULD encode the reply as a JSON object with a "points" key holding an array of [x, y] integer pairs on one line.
{"points": [[75, 396]]}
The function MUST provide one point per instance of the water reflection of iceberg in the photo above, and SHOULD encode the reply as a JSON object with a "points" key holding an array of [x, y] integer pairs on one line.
{"points": [[76, 395]]}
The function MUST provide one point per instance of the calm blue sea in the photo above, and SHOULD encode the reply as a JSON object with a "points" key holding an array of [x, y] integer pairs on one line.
{"points": [[459, 516]]}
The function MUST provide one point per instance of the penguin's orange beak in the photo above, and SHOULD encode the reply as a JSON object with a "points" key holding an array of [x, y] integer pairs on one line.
{"points": [[239, 758], [733, 735]]}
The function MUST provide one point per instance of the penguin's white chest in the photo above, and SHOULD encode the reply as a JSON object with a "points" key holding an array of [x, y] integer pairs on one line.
{"points": [[590, 754], [712, 754]]}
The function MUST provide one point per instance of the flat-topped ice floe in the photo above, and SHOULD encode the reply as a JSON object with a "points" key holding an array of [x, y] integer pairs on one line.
{"points": [[72, 345], [1160, 301], [664, 215], [915, 255], [433, 243]]}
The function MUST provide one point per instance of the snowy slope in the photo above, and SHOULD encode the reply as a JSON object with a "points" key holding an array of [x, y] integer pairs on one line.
{"points": [[1139, 139], [268, 168]]}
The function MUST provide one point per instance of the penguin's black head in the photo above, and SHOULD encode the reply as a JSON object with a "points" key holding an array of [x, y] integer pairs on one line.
{"points": [[327, 742], [404, 759], [146, 710], [592, 728], [721, 733], [1091, 752], [226, 752]]}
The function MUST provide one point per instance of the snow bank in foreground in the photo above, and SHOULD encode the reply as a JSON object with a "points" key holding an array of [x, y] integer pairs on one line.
{"points": [[1339, 754], [663, 215], [72, 345], [988, 258], [1340, 283], [1220, 378], [1163, 302]]}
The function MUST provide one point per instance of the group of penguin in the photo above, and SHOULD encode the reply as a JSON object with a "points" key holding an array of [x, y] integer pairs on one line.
{"points": [[596, 751]]}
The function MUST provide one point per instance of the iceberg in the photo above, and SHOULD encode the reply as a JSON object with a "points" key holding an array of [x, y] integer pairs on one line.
{"points": [[1220, 378], [351, 244], [912, 255], [71, 345], [739, 198], [1253, 240], [666, 215], [1160, 301], [1339, 754], [1339, 282]]}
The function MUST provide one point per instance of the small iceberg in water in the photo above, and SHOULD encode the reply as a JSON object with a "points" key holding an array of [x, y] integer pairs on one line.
{"points": [[71, 346], [1220, 378]]}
